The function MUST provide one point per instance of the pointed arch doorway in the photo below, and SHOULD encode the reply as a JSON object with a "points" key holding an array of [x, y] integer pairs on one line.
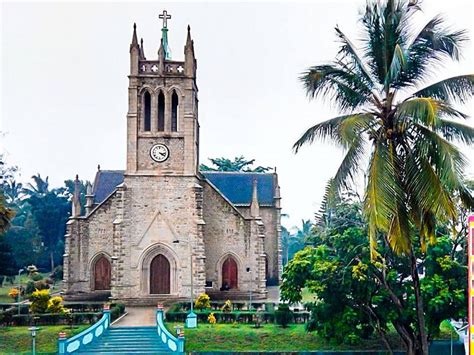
{"points": [[160, 275], [229, 274], [102, 274]]}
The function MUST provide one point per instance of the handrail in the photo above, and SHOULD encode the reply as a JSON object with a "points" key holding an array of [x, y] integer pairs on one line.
{"points": [[175, 344], [78, 341]]}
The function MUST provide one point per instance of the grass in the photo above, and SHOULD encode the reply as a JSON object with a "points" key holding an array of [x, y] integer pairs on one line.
{"points": [[271, 337], [17, 340]]}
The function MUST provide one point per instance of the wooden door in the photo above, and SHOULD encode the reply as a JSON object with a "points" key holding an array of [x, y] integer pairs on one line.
{"points": [[102, 274], [160, 275], [229, 274]]}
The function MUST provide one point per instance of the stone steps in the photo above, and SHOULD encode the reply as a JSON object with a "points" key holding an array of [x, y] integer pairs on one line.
{"points": [[127, 340]]}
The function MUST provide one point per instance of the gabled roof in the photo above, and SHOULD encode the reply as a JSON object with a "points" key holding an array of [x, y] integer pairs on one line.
{"points": [[106, 181], [235, 186]]}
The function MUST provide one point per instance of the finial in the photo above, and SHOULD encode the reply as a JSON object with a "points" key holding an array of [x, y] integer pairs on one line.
{"points": [[254, 206], [142, 50], [165, 17], [77, 177], [98, 167], [134, 43]]}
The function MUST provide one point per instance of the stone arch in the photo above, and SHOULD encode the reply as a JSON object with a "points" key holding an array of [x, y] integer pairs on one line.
{"points": [[161, 109], [100, 270], [220, 265], [145, 262]]}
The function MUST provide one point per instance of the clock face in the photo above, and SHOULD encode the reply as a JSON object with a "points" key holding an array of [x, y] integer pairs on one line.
{"points": [[159, 153]]}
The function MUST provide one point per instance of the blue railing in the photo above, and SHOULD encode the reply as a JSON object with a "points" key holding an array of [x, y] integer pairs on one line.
{"points": [[71, 345], [175, 344]]}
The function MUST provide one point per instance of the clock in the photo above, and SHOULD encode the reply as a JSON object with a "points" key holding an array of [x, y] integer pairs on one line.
{"points": [[159, 153]]}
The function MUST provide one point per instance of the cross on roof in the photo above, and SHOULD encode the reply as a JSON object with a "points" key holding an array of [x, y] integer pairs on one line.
{"points": [[165, 17]]}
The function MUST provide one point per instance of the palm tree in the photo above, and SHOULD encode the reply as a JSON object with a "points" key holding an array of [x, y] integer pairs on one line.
{"points": [[39, 187], [409, 126]]}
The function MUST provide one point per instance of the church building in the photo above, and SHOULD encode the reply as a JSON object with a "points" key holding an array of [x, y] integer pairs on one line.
{"points": [[161, 229]]}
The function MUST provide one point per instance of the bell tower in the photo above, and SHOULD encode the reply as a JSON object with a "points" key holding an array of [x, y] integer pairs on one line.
{"points": [[162, 118]]}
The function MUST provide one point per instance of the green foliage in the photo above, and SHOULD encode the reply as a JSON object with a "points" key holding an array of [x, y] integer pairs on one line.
{"points": [[57, 273], [36, 276], [39, 301], [283, 315], [339, 263], [227, 307], [238, 164], [55, 305], [203, 302]]}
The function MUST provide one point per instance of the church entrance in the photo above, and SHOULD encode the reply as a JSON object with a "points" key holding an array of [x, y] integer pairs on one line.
{"points": [[160, 275], [102, 274], [229, 274]]}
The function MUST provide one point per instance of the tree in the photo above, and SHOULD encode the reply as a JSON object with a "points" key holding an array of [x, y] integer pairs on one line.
{"points": [[50, 210], [339, 264], [414, 167], [238, 164]]}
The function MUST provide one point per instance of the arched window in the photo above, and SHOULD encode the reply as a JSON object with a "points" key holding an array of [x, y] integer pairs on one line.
{"points": [[174, 112], [161, 112], [147, 111]]}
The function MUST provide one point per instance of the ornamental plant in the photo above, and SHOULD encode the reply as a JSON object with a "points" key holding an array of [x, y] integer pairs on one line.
{"points": [[39, 301], [55, 305], [203, 302], [227, 307], [14, 293], [211, 319]]}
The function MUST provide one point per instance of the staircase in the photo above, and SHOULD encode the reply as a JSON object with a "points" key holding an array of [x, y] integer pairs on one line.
{"points": [[127, 340]]}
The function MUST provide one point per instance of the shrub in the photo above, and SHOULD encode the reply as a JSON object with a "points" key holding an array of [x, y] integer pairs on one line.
{"points": [[36, 276], [227, 307], [283, 315], [203, 302], [211, 319], [14, 293], [30, 287], [41, 285], [55, 305], [116, 311], [39, 301]]}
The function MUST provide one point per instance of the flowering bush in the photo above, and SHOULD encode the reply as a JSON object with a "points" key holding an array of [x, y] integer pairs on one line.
{"points": [[203, 302], [55, 305], [211, 319], [39, 301], [14, 293]]}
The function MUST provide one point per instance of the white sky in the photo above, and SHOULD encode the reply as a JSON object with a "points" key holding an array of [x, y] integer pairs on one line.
{"points": [[64, 70]]}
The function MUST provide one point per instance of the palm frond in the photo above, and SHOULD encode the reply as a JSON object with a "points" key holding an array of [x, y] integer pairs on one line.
{"points": [[396, 67], [330, 129], [454, 131], [398, 234], [429, 47], [348, 51], [383, 193], [344, 88], [423, 182], [421, 109], [458, 88]]}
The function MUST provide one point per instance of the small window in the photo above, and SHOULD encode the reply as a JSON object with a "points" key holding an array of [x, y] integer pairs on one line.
{"points": [[161, 112], [208, 284], [147, 111], [174, 112]]}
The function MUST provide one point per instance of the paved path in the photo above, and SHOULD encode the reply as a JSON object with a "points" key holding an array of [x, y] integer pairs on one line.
{"points": [[138, 317]]}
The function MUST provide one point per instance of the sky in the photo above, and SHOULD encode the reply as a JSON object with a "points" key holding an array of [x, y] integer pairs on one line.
{"points": [[64, 67]]}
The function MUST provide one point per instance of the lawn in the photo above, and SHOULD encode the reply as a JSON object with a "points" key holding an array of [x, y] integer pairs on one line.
{"points": [[271, 337], [17, 340]]}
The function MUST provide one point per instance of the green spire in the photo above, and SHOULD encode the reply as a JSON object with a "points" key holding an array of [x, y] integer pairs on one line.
{"points": [[164, 34]]}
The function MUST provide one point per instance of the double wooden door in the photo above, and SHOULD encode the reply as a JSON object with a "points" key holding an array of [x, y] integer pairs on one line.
{"points": [[229, 274], [160, 275], [102, 274]]}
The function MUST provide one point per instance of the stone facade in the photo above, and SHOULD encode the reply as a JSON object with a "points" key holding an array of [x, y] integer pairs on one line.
{"points": [[218, 233]]}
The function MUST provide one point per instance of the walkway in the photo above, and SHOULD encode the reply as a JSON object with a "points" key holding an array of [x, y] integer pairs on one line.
{"points": [[138, 317]]}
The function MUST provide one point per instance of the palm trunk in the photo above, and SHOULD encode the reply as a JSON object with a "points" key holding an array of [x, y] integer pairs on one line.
{"points": [[419, 305]]}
